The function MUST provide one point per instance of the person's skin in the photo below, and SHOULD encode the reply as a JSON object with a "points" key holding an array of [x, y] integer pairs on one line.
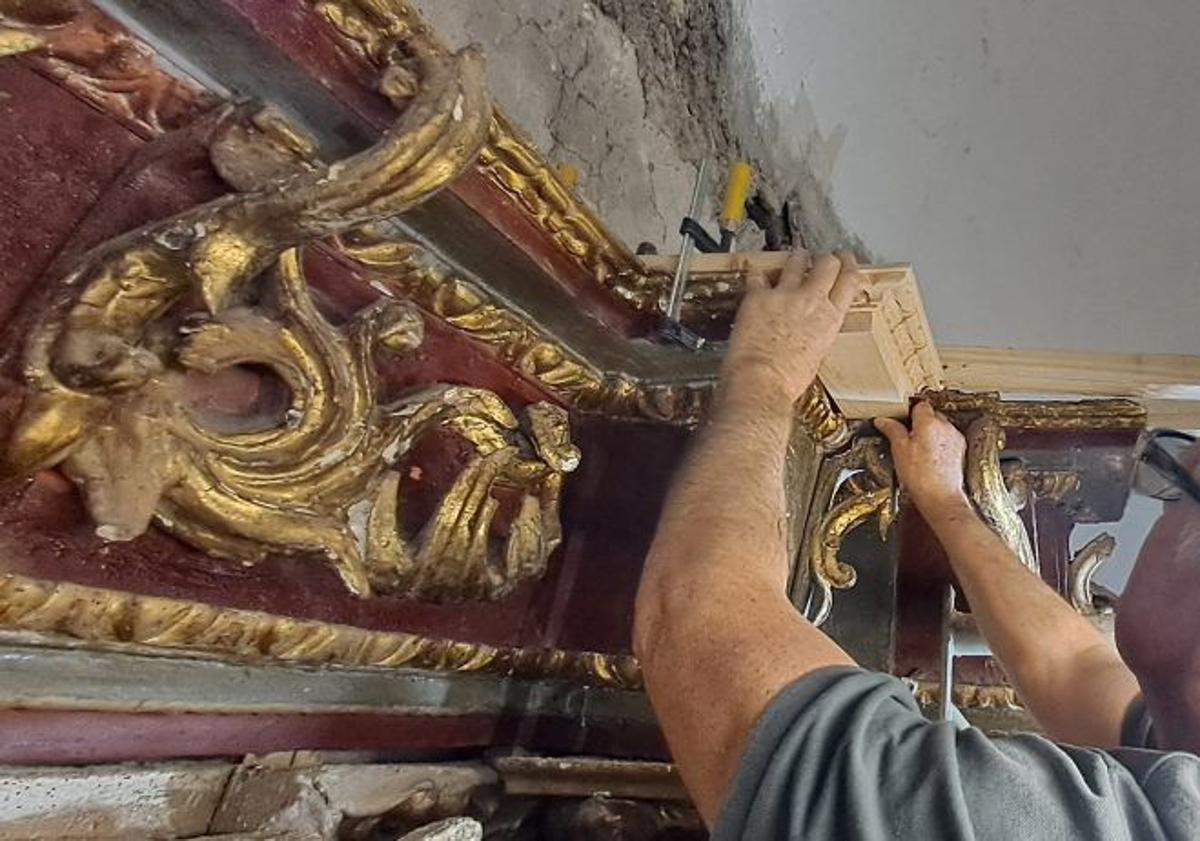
{"points": [[715, 632], [713, 628], [1158, 623], [1069, 677]]}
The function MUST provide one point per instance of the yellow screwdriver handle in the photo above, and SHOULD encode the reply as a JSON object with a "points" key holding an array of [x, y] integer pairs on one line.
{"points": [[737, 190]]}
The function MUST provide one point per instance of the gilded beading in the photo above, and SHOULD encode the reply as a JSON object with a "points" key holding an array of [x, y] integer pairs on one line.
{"points": [[106, 618]]}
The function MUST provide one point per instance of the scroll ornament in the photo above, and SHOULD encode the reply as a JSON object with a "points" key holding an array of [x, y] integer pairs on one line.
{"points": [[865, 487], [223, 285]]}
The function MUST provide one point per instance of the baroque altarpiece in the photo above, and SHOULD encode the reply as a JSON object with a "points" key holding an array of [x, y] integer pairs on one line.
{"points": [[335, 419]]}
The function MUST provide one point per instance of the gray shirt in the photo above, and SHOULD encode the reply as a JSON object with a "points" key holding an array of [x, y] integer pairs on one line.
{"points": [[845, 754]]}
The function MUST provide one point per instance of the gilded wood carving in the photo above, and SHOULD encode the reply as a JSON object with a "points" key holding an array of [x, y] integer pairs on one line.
{"points": [[985, 483], [854, 486], [222, 285], [114, 618], [97, 60], [1083, 567]]}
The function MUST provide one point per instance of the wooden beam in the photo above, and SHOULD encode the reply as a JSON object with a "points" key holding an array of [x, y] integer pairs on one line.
{"points": [[885, 352], [769, 263], [1169, 386]]}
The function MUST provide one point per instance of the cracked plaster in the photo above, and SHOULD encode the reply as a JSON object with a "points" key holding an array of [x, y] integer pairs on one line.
{"points": [[569, 76]]}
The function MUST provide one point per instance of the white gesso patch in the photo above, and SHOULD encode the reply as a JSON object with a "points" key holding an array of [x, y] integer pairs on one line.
{"points": [[358, 517]]}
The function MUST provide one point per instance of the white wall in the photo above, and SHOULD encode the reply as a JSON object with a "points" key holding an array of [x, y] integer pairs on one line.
{"points": [[1039, 162]]}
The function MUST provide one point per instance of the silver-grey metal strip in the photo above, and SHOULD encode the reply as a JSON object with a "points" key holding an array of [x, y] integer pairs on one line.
{"points": [[78, 678]]}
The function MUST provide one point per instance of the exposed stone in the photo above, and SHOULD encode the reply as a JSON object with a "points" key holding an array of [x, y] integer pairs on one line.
{"points": [[569, 76], [110, 801]]}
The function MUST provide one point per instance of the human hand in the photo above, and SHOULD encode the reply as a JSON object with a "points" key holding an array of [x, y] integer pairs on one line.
{"points": [[782, 334], [928, 459]]}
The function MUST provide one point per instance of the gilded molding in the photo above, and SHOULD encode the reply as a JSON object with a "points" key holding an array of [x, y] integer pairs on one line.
{"points": [[815, 413], [1048, 415], [16, 41], [1083, 567], [846, 502], [1055, 485], [222, 286], [95, 58], [985, 482], [110, 617], [402, 269], [516, 167], [968, 696]]}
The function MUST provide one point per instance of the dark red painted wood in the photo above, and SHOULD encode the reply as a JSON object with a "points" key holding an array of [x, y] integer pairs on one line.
{"points": [[76, 737], [610, 512], [57, 155]]}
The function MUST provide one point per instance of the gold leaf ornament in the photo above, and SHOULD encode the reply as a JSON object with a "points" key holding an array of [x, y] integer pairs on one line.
{"points": [[108, 370]]}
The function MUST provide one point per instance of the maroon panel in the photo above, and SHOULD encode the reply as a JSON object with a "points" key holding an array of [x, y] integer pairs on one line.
{"points": [[609, 515], [46, 533], [57, 154], [70, 737], [920, 584], [1051, 528]]}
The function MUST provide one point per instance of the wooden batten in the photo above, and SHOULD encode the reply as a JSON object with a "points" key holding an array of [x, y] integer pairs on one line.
{"points": [[1168, 385]]}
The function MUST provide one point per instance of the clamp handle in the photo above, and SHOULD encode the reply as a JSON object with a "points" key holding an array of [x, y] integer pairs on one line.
{"points": [[737, 190]]}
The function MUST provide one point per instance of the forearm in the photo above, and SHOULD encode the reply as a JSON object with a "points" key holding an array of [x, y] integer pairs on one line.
{"points": [[740, 530], [714, 630], [1067, 674]]}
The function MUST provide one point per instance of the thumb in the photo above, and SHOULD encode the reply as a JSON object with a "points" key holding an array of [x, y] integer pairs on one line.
{"points": [[892, 430]]}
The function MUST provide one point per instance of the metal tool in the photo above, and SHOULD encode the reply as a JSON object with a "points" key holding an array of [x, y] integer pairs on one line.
{"points": [[694, 237]]}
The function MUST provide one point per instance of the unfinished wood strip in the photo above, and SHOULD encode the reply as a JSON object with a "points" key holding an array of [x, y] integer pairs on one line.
{"points": [[1168, 385], [1061, 372], [769, 263]]}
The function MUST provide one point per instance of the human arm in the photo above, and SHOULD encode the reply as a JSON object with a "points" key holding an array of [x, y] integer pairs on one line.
{"points": [[714, 630], [1071, 679]]}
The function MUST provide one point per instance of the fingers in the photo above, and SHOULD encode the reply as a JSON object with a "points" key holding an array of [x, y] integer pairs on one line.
{"points": [[923, 415], [894, 431], [849, 283], [824, 273], [794, 270]]}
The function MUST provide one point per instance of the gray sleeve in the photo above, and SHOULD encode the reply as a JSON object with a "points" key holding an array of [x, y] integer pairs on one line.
{"points": [[845, 753], [1137, 731]]}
